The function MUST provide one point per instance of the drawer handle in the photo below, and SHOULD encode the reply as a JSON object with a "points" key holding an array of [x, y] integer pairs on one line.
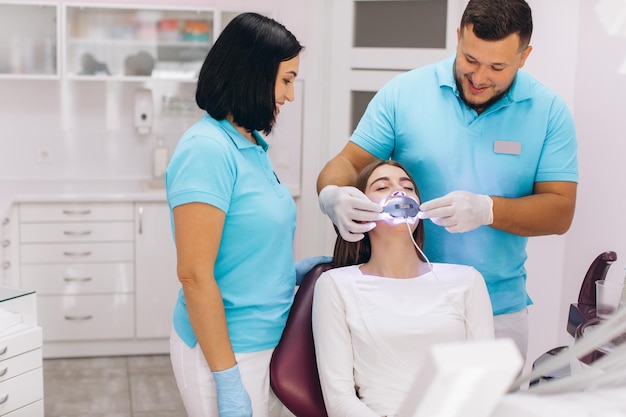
{"points": [[6, 243], [3, 350], [77, 318], [6, 265], [4, 398], [140, 214], [4, 371], [76, 212], [72, 233], [74, 254], [5, 221], [77, 279]]}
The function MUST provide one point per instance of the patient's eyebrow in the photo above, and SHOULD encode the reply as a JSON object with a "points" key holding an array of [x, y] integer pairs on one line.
{"points": [[379, 179], [401, 179]]}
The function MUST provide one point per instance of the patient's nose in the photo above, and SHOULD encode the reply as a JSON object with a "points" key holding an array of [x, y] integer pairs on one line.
{"points": [[399, 193]]}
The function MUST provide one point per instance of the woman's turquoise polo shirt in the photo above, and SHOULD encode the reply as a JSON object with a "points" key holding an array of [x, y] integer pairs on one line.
{"points": [[255, 271]]}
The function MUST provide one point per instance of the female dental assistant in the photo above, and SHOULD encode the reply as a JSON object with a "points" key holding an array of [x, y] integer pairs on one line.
{"points": [[233, 223]]}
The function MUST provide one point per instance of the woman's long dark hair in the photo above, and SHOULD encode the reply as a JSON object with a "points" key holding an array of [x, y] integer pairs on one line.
{"points": [[238, 76], [355, 253]]}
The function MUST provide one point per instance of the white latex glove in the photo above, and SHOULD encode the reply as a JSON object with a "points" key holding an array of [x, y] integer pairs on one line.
{"points": [[459, 211], [350, 210]]}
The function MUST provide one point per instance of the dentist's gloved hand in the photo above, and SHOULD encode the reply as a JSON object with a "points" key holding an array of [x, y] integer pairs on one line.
{"points": [[232, 398], [350, 210], [305, 265], [459, 211]]}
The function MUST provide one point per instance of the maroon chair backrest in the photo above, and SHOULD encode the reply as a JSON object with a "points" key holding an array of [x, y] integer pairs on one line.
{"points": [[293, 369]]}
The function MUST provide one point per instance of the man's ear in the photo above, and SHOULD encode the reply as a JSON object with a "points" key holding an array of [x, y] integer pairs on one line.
{"points": [[525, 54]]}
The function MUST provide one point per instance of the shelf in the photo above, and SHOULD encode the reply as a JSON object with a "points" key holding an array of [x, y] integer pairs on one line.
{"points": [[133, 44], [136, 42], [125, 78]]}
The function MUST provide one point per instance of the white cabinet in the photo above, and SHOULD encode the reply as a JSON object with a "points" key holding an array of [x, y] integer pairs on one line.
{"points": [[105, 273], [134, 43], [28, 40], [130, 43], [79, 257], [21, 375], [155, 270]]}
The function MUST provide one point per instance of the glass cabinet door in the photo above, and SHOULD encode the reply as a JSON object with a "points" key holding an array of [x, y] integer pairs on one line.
{"points": [[125, 43], [28, 40]]}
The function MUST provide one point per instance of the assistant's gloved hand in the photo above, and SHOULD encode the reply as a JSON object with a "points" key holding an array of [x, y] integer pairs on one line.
{"points": [[305, 265], [232, 398], [459, 211], [350, 210]]}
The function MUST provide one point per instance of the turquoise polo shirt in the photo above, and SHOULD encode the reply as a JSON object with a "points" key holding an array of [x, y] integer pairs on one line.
{"points": [[527, 136], [255, 270]]}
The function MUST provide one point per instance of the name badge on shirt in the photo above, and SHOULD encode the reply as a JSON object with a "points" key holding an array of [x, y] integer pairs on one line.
{"points": [[507, 147]]}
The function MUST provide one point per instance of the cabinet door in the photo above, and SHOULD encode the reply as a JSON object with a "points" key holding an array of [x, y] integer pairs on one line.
{"points": [[28, 41], [373, 41], [156, 285]]}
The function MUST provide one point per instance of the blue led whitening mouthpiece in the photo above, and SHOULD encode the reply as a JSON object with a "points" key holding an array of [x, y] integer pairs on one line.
{"points": [[401, 207]]}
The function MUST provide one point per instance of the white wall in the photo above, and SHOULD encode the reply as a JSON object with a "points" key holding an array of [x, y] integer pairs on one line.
{"points": [[576, 56], [599, 223], [553, 62]]}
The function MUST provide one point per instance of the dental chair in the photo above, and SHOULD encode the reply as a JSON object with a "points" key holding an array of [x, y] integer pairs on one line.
{"points": [[293, 368], [580, 314]]}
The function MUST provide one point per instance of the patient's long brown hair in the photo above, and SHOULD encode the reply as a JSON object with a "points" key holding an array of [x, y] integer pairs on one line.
{"points": [[355, 253]]}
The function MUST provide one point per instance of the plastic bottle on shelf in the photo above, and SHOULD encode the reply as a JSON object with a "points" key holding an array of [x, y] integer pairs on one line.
{"points": [[160, 159]]}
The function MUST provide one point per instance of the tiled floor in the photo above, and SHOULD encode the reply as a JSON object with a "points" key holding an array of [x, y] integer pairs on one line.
{"points": [[132, 386]]}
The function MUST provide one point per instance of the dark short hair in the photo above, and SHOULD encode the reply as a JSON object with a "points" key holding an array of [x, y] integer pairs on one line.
{"points": [[355, 253], [494, 20], [238, 76]]}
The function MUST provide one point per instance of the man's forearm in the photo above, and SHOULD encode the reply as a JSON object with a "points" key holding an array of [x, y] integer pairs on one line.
{"points": [[338, 171], [539, 214]]}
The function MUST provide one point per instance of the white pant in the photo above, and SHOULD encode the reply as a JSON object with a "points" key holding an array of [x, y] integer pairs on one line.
{"points": [[197, 387], [514, 326]]}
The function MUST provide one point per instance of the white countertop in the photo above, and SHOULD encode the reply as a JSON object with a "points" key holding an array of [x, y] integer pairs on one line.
{"points": [[63, 190]]}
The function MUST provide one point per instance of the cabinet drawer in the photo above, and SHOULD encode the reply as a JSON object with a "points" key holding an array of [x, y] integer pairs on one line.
{"points": [[72, 212], [31, 410], [96, 278], [19, 339], [86, 317], [21, 390], [38, 253], [20, 364], [76, 232]]}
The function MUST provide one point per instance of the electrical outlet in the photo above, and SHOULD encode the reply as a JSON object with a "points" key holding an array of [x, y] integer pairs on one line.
{"points": [[43, 155]]}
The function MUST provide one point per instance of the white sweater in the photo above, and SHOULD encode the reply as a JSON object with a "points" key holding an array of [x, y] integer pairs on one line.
{"points": [[372, 332]]}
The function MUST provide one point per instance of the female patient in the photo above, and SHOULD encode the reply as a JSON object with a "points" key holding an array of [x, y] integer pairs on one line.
{"points": [[375, 317]]}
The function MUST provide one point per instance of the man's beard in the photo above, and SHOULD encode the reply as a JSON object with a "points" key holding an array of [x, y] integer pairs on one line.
{"points": [[479, 107]]}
